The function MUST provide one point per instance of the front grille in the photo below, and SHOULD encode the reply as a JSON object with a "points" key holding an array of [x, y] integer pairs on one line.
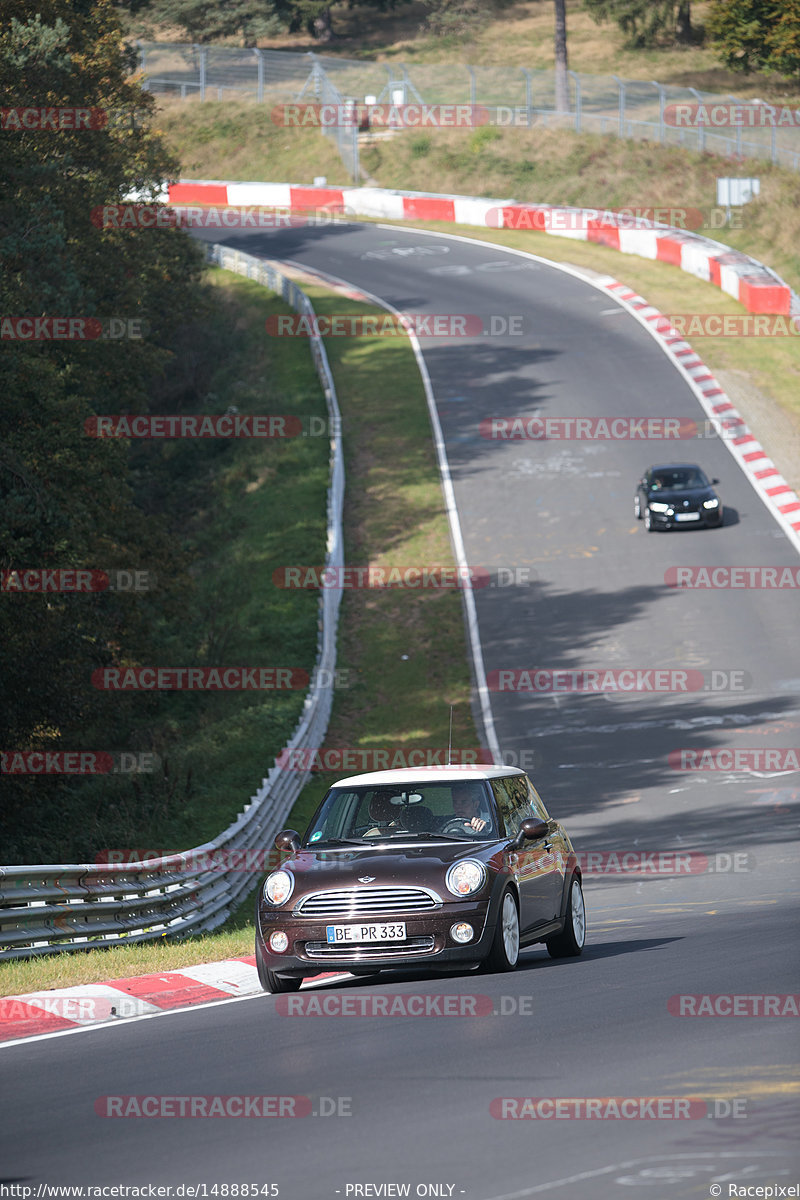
{"points": [[357, 902], [353, 953]]}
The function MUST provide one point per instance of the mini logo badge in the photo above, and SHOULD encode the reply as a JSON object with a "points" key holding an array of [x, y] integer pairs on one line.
{"points": [[366, 879]]}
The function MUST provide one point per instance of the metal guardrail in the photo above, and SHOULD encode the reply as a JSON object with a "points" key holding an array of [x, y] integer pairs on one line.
{"points": [[44, 909], [631, 108]]}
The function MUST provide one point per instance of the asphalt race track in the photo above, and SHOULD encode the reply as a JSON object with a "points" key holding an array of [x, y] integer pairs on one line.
{"points": [[411, 1098]]}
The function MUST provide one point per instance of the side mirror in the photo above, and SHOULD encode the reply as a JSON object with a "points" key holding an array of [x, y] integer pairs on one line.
{"points": [[531, 830], [288, 839], [715, 481]]}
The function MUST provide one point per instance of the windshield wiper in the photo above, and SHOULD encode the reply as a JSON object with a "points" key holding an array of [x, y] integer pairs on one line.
{"points": [[333, 841]]}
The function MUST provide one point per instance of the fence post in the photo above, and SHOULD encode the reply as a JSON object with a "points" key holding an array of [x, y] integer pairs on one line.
{"points": [[260, 61], [200, 51], [471, 84], [621, 89], [701, 129], [578, 101], [662, 130], [528, 95]]}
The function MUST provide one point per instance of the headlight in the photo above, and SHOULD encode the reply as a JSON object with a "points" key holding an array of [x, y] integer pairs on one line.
{"points": [[278, 887], [465, 877], [711, 503], [657, 506]]}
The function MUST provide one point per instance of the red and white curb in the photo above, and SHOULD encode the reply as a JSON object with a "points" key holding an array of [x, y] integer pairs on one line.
{"points": [[757, 287], [91, 1004]]}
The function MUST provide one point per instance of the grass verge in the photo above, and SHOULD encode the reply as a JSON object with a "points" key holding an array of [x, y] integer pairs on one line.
{"points": [[404, 651]]}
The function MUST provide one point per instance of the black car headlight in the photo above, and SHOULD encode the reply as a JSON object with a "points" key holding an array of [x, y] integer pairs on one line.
{"points": [[711, 503]]}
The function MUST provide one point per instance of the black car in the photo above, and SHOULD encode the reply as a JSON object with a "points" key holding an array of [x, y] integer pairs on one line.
{"points": [[676, 494], [441, 867]]}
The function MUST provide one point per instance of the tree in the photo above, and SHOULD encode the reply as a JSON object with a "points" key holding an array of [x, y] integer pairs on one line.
{"points": [[757, 35], [646, 22], [562, 84]]}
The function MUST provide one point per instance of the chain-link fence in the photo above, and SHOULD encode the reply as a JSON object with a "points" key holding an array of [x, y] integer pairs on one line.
{"points": [[513, 96]]}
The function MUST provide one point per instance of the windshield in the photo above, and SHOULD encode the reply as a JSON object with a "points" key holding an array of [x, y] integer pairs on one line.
{"points": [[678, 479], [463, 811]]}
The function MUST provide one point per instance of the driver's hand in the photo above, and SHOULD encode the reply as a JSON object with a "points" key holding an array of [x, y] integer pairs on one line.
{"points": [[477, 823]]}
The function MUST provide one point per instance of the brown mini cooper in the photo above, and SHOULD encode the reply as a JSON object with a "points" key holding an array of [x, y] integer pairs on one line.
{"points": [[439, 867]]}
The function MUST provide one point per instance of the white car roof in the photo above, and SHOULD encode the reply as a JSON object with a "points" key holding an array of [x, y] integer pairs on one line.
{"points": [[428, 775]]}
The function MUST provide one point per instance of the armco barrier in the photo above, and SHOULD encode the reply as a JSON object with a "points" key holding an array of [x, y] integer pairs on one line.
{"points": [[44, 909], [754, 285]]}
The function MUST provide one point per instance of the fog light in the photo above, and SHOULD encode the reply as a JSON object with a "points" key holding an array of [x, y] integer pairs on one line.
{"points": [[461, 932], [278, 941]]}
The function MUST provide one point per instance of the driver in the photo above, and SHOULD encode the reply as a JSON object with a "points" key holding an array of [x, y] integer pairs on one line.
{"points": [[466, 802]]}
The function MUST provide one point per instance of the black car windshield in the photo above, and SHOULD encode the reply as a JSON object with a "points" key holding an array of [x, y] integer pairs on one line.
{"points": [[461, 809], [678, 479]]}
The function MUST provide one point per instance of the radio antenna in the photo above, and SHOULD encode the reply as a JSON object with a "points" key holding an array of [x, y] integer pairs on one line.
{"points": [[450, 738]]}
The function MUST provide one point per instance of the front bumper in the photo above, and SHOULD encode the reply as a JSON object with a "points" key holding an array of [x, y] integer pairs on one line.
{"points": [[428, 941], [706, 518]]}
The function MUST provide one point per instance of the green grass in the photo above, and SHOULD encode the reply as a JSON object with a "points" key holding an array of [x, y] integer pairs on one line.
{"points": [[404, 651]]}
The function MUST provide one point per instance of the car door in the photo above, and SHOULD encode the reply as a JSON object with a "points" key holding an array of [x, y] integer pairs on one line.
{"points": [[534, 864]]}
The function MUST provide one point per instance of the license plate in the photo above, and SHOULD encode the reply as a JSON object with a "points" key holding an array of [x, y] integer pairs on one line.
{"points": [[340, 934], [687, 516]]}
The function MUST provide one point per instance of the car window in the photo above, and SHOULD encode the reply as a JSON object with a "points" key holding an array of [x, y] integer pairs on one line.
{"points": [[514, 801], [679, 480], [424, 809], [536, 803]]}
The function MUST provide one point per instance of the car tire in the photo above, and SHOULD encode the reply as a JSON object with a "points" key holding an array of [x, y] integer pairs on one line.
{"points": [[504, 953], [271, 982], [570, 942], [637, 507]]}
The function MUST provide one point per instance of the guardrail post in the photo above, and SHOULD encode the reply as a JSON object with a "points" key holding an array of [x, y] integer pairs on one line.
{"points": [[260, 61]]}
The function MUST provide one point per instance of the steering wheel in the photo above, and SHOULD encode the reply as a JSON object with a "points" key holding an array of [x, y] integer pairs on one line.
{"points": [[457, 825]]}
